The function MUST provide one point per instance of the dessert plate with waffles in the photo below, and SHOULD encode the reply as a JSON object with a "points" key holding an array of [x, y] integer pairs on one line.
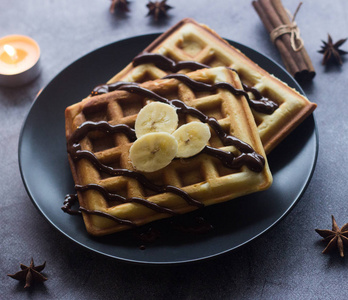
{"points": [[193, 149]]}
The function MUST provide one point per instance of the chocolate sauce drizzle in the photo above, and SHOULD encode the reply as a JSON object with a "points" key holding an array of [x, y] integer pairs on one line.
{"points": [[253, 161], [167, 64], [106, 88], [260, 103], [71, 199], [74, 149], [110, 196], [248, 157], [104, 126]]}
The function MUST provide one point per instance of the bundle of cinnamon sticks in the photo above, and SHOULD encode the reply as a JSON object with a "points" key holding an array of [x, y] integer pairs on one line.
{"points": [[285, 35]]}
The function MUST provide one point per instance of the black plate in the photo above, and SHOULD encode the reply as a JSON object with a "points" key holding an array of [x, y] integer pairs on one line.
{"points": [[46, 173]]}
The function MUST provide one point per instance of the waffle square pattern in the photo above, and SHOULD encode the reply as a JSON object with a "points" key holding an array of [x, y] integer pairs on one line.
{"points": [[114, 196], [191, 41]]}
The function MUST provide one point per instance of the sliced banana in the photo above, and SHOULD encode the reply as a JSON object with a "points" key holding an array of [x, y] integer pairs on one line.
{"points": [[153, 151], [156, 117], [192, 138]]}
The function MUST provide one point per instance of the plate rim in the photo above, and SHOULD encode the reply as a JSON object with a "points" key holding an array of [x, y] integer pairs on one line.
{"points": [[152, 36]]}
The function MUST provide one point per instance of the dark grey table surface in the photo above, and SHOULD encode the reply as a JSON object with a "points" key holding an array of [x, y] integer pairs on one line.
{"points": [[284, 263]]}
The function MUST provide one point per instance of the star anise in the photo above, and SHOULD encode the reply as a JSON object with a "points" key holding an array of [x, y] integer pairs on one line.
{"points": [[331, 51], [122, 5], [337, 237], [158, 9], [30, 274]]}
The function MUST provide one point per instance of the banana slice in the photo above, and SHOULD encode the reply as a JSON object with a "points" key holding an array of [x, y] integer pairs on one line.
{"points": [[192, 138], [153, 151], [156, 117]]}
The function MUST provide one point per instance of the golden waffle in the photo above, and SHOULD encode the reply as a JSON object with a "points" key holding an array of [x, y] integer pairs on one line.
{"points": [[202, 177], [190, 41]]}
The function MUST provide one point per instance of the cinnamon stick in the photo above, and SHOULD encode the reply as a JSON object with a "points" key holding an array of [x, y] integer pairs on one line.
{"points": [[289, 61], [286, 20], [273, 15]]}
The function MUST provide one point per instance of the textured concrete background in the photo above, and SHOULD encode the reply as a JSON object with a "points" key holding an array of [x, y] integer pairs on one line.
{"points": [[285, 263]]}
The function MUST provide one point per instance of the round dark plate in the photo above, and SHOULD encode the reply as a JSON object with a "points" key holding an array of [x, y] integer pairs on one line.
{"points": [[46, 173]]}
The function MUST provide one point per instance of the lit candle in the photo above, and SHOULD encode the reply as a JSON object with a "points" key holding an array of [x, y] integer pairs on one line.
{"points": [[19, 60]]}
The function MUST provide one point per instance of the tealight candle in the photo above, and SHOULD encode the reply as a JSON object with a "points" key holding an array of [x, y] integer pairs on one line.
{"points": [[19, 60]]}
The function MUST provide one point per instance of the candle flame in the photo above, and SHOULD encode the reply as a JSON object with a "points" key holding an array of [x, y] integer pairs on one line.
{"points": [[11, 51]]}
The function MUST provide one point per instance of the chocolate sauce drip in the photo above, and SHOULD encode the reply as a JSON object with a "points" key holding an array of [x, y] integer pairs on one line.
{"points": [[110, 196], [167, 64], [260, 103], [71, 199], [107, 88], [104, 126], [229, 160]]}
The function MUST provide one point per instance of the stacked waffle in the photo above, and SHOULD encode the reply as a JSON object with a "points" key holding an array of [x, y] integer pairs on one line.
{"points": [[128, 171]]}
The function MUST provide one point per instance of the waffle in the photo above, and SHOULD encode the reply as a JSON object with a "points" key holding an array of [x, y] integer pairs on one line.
{"points": [[190, 41], [115, 202]]}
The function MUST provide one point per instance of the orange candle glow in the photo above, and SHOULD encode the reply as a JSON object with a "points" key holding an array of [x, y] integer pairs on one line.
{"points": [[19, 57]]}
